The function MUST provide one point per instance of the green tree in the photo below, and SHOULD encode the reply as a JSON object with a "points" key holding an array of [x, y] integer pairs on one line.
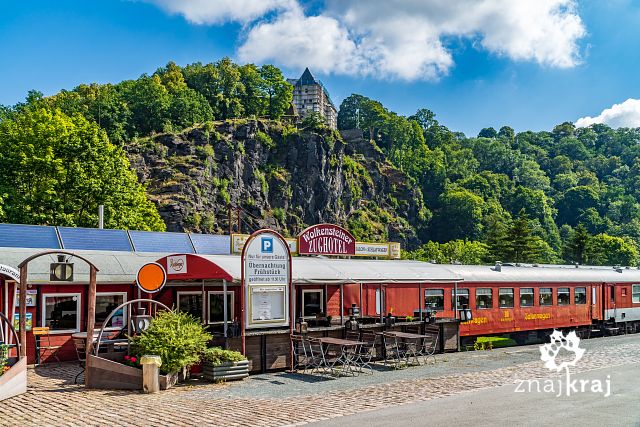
{"points": [[278, 92], [460, 216], [575, 246], [523, 246], [59, 168], [603, 249], [149, 103]]}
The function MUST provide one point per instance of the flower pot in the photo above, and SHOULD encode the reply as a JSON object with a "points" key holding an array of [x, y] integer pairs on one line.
{"points": [[228, 371]]}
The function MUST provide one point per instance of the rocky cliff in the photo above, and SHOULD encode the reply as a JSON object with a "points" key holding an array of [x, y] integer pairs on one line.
{"points": [[281, 178]]}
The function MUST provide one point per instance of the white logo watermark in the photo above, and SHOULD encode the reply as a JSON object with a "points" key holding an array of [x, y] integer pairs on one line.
{"points": [[549, 352]]}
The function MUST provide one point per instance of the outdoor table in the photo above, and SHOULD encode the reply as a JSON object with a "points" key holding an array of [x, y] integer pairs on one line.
{"points": [[346, 358], [110, 344], [410, 351]]}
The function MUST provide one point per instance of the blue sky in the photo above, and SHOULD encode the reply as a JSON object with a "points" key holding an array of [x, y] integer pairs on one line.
{"points": [[523, 66]]}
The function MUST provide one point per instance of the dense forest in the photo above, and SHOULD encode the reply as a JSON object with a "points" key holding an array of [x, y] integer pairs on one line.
{"points": [[564, 195]]}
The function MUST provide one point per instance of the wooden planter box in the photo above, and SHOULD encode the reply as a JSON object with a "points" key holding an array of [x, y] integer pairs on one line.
{"points": [[14, 381], [226, 372], [107, 374]]}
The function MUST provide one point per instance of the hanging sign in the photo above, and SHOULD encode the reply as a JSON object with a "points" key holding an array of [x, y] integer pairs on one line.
{"points": [[11, 272], [266, 272], [238, 241], [177, 264], [31, 298], [151, 277], [372, 249], [326, 239]]}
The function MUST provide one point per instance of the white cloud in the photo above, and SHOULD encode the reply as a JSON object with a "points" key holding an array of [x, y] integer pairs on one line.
{"points": [[625, 115], [220, 11], [395, 38]]}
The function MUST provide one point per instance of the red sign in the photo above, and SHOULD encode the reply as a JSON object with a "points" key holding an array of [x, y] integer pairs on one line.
{"points": [[326, 239]]}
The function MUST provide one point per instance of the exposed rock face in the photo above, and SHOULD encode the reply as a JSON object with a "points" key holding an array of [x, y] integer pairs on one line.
{"points": [[281, 178]]}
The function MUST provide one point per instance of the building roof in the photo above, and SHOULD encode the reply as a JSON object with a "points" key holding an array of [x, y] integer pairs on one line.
{"points": [[121, 267], [307, 79]]}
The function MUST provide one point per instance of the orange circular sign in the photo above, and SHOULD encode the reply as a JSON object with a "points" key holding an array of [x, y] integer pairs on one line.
{"points": [[151, 277]]}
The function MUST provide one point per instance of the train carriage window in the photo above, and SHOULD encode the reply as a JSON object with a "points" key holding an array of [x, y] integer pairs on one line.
{"points": [[635, 294], [546, 296], [526, 297], [484, 298], [434, 298], [505, 297], [564, 297], [580, 295], [463, 298]]}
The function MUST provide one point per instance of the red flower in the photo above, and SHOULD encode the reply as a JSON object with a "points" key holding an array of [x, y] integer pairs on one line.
{"points": [[127, 357], [133, 359]]}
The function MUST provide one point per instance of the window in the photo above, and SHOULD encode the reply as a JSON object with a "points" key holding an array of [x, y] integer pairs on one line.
{"points": [[190, 302], [434, 299], [580, 295], [526, 297], [61, 312], [546, 296], [484, 298], [312, 302], [463, 299], [216, 306], [624, 292], [564, 296], [505, 296], [378, 301], [635, 294], [105, 304]]}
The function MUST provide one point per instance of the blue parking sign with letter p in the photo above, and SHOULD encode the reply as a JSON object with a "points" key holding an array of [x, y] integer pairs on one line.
{"points": [[267, 244]]}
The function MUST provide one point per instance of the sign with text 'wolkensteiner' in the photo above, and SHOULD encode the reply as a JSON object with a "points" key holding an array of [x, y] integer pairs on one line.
{"points": [[326, 239], [266, 269]]}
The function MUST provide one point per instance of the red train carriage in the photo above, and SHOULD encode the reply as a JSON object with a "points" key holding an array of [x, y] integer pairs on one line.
{"points": [[519, 300]]}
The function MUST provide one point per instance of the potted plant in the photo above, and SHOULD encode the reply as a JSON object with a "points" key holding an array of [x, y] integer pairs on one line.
{"points": [[224, 365], [178, 338]]}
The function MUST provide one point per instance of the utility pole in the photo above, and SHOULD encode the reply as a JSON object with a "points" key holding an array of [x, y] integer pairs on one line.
{"points": [[229, 219], [239, 219]]}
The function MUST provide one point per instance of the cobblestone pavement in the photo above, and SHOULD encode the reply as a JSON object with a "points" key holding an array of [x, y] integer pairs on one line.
{"points": [[289, 399]]}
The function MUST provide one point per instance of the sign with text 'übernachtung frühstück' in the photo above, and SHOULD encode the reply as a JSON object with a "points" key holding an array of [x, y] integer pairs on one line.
{"points": [[266, 263]]}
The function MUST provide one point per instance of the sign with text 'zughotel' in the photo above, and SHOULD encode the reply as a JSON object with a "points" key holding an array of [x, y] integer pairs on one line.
{"points": [[266, 272]]}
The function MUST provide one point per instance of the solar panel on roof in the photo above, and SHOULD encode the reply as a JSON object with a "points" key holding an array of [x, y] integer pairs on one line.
{"points": [[211, 244], [94, 239], [151, 241], [28, 236]]}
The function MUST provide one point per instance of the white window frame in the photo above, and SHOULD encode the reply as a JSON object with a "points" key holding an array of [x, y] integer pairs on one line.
{"points": [[308, 291], [233, 301], [43, 317], [635, 294], [124, 312], [180, 293]]}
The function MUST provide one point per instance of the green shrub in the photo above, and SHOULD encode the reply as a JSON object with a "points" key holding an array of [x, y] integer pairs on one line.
{"points": [[265, 140], [218, 356], [178, 338]]}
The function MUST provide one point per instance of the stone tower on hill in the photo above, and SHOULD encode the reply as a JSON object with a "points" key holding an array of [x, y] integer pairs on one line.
{"points": [[310, 95]]}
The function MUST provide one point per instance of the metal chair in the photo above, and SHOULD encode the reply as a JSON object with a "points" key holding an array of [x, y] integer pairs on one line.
{"points": [[300, 357], [43, 344], [367, 351], [391, 350], [352, 335], [81, 351], [318, 359], [429, 346]]}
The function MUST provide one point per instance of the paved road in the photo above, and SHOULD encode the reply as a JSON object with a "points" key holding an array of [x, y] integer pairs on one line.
{"points": [[451, 389], [503, 406]]}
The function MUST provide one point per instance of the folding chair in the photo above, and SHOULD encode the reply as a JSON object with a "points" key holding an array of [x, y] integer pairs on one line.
{"points": [[81, 351], [367, 351], [429, 346], [300, 357], [352, 335], [43, 344], [391, 350]]}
